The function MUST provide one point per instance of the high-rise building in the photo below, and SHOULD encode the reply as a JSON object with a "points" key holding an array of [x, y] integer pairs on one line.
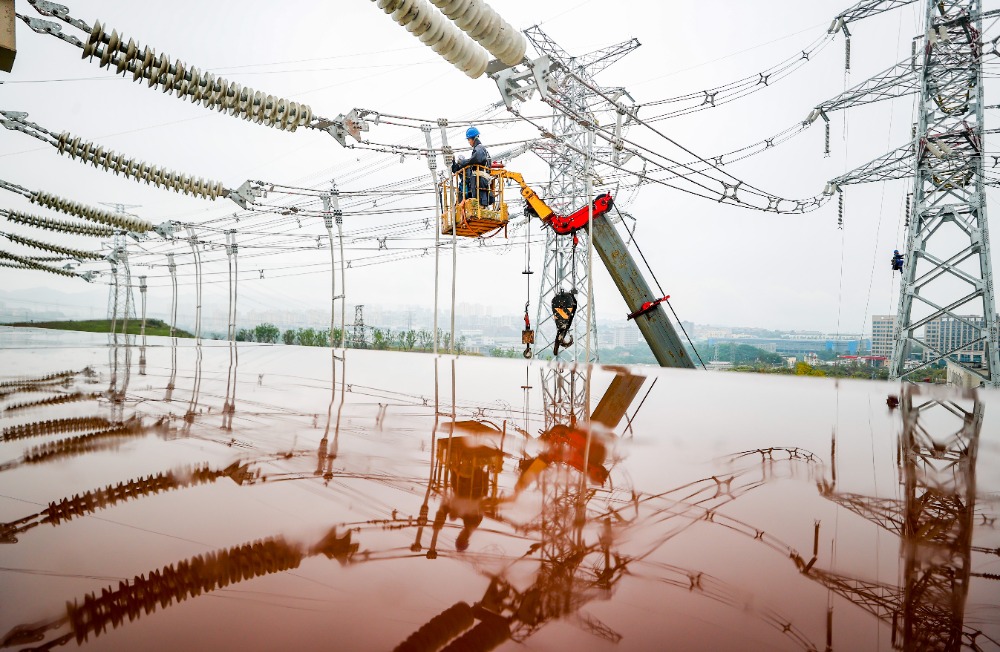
{"points": [[882, 326], [953, 335]]}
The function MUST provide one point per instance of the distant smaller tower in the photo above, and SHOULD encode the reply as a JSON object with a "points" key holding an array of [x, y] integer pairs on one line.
{"points": [[358, 334]]}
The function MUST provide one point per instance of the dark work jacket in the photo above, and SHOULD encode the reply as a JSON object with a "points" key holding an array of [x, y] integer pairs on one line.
{"points": [[473, 186]]}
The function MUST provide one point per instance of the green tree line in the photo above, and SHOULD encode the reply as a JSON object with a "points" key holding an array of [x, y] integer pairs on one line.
{"points": [[383, 339]]}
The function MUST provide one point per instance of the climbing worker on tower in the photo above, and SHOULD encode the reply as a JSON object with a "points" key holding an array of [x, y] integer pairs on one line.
{"points": [[472, 175], [897, 261]]}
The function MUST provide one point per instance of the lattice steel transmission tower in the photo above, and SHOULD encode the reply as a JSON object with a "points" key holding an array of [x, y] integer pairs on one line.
{"points": [[947, 277], [946, 301], [358, 332], [567, 188]]}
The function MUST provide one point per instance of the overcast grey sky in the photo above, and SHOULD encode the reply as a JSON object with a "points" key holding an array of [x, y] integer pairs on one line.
{"points": [[720, 264]]}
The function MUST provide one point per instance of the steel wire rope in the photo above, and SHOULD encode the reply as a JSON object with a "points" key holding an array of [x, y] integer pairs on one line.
{"points": [[881, 209], [415, 252], [739, 183], [738, 90], [642, 175]]}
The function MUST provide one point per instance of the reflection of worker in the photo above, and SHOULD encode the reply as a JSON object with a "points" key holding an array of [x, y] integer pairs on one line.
{"points": [[897, 261], [466, 501], [474, 183], [469, 479]]}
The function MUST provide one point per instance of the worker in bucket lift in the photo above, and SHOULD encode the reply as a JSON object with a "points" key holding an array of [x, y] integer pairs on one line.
{"points": [[473, 179], [897, 261]]}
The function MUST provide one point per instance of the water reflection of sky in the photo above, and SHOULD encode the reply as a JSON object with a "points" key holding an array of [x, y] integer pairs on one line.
{"points": [[275, 497]]}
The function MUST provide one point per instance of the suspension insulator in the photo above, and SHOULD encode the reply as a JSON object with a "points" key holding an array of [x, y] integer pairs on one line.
{"points": [[183, 81], [826, 138], [486, 27], [120, 164], [46, 246], [28, 263], [847, 54], [840, 211], [434, 30], [92, 214], [58, 225]]}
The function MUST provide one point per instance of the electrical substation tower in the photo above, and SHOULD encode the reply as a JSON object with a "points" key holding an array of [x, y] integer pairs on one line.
{"points": [[947, 282]]}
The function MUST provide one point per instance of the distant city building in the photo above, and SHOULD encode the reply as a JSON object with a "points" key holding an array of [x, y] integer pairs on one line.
{"points": [[882, 326], [626, 336], [797, 347], [957, 336]]}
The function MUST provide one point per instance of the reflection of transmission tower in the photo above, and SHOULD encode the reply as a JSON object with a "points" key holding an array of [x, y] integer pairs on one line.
{"points": [[564, 269], [358, 332], [938, 450]]}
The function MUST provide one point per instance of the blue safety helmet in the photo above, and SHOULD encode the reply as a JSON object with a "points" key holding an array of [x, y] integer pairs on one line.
{"points": [[472, 132], [895, 251]]}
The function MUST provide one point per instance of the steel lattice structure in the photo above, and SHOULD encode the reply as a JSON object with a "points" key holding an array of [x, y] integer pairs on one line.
{"points": [[948, 275], [567, 189], [934, 519]]}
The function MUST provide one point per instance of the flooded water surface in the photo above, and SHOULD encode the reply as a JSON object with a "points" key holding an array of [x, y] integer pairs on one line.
{"points": [[174, 496]]}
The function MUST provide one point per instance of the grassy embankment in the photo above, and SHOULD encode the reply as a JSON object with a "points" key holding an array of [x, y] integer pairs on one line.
{"points": [[153, 326]]}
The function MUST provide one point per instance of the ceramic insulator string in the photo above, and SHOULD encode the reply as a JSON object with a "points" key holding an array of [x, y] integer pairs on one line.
{"points": [[96, 155], [201, 87], [45, 246], [437, 32], [58, 225], [486, 27], [89, 213]]}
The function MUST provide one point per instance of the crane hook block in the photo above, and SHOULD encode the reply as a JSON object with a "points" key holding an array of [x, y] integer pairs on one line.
{"points": [[647, 307], [563, 311]]}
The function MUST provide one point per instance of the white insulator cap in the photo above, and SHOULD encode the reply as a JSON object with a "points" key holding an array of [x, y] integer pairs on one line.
{"points": [[433, 29], [485, 26], [830, 188], [812, 116], [935, 150]]}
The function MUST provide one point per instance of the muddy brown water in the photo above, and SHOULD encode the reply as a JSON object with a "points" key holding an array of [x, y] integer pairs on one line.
{"points": [[275, 497]]}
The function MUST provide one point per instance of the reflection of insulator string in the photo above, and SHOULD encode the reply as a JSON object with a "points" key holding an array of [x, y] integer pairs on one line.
{"points": [[47, 246], [88, 502], [80, 445], [52, 400], [52, 426], [37, 380], [215, 570]]}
